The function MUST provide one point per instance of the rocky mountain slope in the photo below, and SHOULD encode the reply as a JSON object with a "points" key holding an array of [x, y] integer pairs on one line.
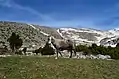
{"points": [[37, 35], [31, 34], [89, 36]]}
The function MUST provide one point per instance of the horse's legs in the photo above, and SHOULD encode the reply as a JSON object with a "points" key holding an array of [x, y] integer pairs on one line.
{"points": [[60, 53], [57, 54], [24, 53], [70, 54], [36, 53], [74, 52]]}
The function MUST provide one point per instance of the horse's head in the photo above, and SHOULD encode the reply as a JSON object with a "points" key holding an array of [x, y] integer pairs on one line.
{"points": [[51, 42], [51, 39]]}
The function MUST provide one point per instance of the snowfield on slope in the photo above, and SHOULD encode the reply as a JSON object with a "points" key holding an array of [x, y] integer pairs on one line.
{"points": [[71, 33]]}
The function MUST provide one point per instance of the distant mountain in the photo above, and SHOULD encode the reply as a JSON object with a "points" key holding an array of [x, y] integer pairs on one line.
{"points": [[37, 35], [89, 36]]}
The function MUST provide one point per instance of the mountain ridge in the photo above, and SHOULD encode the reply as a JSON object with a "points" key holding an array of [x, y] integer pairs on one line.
{"points": [[37, 34]]}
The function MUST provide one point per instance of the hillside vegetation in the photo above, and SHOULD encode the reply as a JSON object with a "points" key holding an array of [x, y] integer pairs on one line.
{"points": [[95, 50], [22, 67], [31, 34]]}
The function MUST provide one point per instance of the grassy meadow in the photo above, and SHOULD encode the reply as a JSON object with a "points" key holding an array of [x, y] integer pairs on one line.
{"points": [[34, 67]]}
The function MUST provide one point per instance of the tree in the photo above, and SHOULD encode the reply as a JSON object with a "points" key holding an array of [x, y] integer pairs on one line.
{"points": [[18, 42], [15, 42]]}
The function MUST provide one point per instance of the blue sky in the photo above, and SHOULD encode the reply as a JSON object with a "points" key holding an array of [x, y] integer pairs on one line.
{"points": [[97, 14]]}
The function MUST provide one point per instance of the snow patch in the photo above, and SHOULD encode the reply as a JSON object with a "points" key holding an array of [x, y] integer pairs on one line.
{"points": [[60, 33], [38, 29], [32, 26], [44, 33]]}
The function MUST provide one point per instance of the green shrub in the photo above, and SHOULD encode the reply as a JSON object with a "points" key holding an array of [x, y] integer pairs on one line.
{"points": [[94, 49]]}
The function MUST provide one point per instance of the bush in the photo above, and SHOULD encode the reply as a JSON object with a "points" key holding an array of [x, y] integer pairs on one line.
{"points": [[47, 50], [82, 48], [94, 49]]}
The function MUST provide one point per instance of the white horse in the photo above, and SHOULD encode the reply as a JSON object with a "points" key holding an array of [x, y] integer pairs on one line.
{"points": [[60, 45]]}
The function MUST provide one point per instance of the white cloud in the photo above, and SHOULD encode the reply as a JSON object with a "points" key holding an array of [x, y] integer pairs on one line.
{"points": [[12, 4], [6, 3], [48, 19]]}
